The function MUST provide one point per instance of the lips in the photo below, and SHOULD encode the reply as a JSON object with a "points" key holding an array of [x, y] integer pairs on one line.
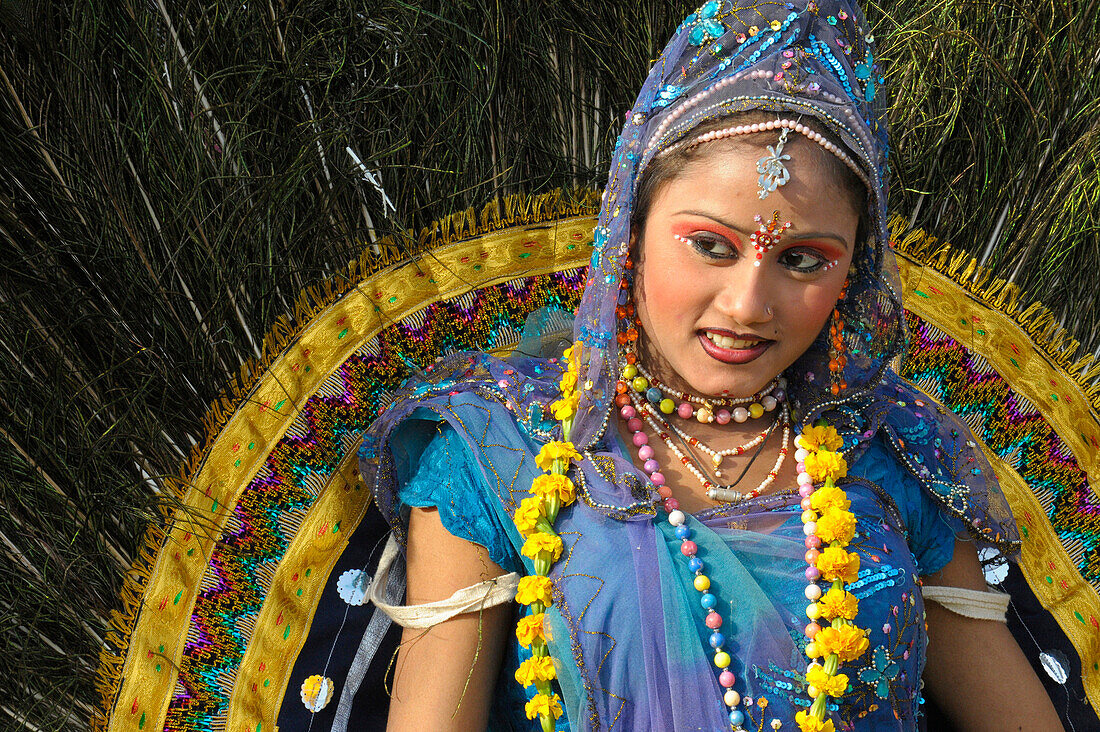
{"points": [[734, 348]]}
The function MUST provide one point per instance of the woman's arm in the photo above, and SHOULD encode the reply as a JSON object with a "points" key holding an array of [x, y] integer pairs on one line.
{"points": [[445, 675], [976, 672]]}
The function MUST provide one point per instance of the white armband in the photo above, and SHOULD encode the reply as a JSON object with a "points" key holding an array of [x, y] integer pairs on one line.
{"points": [[977, 604], [481, 596]]}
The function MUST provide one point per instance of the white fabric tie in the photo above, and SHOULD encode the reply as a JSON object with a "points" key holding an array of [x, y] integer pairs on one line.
{"points": [[486, 594], [977, 604]]}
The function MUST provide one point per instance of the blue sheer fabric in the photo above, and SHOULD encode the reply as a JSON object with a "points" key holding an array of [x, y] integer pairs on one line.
{"points": [[755, 552], [445, 479]]}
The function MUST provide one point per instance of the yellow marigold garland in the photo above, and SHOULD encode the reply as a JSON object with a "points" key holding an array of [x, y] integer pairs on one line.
{"points": [[831, 526], [825, 515], [535, 520]]}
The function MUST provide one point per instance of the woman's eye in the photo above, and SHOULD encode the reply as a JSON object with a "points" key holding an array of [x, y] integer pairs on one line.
{"points": [[802, 260], [710, 245]]}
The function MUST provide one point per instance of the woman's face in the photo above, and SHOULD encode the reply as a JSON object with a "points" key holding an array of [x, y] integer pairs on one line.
{"points": [[716, 318]]}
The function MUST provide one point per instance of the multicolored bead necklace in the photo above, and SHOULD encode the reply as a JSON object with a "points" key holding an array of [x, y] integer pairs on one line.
{"points": [[635, 377], [630, 414], [655, 406], [828, 526]]}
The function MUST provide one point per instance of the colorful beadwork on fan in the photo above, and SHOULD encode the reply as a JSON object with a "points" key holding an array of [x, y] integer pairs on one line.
{"points": [[219, 607], [233, 587]]}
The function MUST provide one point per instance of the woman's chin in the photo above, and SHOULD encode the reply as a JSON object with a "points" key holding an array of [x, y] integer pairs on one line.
{"points": [[703, 376], [721, 387]]}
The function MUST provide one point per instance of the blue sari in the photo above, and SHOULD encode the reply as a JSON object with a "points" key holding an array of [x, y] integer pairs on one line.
{"points": [[628, 637]]}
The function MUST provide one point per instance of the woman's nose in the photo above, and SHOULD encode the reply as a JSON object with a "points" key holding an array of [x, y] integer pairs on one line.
{"points": [[745, 294]]}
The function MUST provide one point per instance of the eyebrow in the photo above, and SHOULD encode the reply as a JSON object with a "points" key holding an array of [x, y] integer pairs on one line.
{"points": [[792, 236]]}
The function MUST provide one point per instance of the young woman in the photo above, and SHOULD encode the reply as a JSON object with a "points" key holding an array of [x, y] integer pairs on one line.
{"points": [[757, 508]]}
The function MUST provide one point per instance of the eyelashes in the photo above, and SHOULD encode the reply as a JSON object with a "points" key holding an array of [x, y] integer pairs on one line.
{"points": [[818, 261], [707, 244]]}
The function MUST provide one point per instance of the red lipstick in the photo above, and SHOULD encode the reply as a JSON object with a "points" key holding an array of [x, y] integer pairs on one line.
{"points": [[734, 355]]}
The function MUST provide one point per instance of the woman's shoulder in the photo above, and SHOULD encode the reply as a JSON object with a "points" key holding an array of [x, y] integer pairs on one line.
{"points": [[448, 477], [920, 448]]}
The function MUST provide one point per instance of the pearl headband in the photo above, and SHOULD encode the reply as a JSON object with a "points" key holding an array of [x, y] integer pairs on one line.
{"points": [[779, 124]]}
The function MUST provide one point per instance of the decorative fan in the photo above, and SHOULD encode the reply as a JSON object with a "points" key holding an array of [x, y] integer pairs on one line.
{"points": [[221, 629]]}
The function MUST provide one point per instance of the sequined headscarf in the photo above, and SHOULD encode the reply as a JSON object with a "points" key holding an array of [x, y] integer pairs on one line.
{"points": [[806, 60]]}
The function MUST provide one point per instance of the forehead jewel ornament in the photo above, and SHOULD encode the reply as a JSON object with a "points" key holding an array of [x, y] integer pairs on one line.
{"points": [[772, 167], [767, 235]]}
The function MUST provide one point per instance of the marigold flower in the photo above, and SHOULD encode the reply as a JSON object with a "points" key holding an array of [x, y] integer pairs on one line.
{"points": [[822, 465], [848, 642], [830, 497], [555, 450], [568, 381], [550, 485], [528, 515], [565, 407], [809, 723], [573, 355], [529, 629], [838, 603], [836, 563], [820, 438], [543, 543], [836, 525], [532, 589], [535, 669], [834, 686], [544, 705]]}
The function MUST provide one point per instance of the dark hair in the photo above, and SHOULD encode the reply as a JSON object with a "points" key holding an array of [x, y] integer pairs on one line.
{"points": [[664, 168]]}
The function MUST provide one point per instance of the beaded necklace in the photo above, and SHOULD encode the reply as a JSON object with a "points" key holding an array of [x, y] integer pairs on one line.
{"points": [[662, 428], [828, 526], [634, 377]]}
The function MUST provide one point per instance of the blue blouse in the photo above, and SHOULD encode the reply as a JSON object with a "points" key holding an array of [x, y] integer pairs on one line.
{"points": [[901, 534]]}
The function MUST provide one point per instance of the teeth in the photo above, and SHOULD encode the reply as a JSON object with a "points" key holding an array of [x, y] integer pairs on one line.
{"points": [[728, 342]]}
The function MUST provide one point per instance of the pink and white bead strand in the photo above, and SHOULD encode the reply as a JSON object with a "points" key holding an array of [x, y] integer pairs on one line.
{"points": [[809, 529], [690, 550], [640, 440], [808, 132]]}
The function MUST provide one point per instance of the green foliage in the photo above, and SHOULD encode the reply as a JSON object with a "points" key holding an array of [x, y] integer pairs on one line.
{"points": [[172, 174]]}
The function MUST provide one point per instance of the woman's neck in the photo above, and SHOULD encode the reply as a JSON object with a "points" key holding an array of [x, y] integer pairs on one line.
{"points": [[749, 470]]}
